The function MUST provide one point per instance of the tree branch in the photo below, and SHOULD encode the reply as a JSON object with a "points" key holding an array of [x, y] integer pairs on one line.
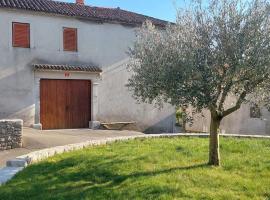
{"points": [[237, 105], [224, 95], [247, 90]]}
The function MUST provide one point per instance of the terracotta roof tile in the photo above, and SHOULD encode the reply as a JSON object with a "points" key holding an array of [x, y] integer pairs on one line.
{"points": [[85, 68], [84, 11]]}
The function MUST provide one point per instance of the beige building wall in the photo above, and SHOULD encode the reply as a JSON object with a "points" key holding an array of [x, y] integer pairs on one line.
{"points": [[238, 122]]}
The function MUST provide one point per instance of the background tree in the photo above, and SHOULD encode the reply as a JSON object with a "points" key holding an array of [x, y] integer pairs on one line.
{"points": [[213, 52], [182, 118]]}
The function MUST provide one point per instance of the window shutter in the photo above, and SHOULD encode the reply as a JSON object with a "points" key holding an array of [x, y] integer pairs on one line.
{"points": [[21, 35], [70, 39]]}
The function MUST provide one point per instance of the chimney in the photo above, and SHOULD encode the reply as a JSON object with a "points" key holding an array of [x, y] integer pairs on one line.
{"points": [[80, 2]]}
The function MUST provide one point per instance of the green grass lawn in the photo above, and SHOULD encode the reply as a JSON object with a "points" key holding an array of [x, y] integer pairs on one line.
{"points": [[149, 169]]}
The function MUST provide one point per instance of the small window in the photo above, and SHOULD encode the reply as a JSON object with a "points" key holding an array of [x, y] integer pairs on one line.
{"points": [[70, 39], [255, 111], [21, 35]]}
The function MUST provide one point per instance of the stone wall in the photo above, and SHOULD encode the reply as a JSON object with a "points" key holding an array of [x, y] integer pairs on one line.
{"points": [[10, 134]]}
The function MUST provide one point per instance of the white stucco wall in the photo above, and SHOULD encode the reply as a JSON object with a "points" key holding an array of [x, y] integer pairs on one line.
{"points": [[116, 103], [103, 45], [238, 122]]}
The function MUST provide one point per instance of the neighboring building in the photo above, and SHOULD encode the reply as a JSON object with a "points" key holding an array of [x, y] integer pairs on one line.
{"points": [[249, 119], [64, 64]]}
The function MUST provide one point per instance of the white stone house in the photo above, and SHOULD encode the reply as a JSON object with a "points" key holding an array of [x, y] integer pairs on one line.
{"points": [[63, 65]]}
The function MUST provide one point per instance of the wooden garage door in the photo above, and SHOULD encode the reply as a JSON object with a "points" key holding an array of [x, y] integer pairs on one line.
{"points": [[65, 104]]}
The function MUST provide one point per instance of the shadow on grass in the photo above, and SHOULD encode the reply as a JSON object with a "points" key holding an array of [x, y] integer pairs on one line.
{"points": [[159, 172], [95, 178]]}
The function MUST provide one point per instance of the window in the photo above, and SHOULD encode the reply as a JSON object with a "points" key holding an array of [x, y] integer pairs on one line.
{"points": [[21, 35], [70, 39], [255, 111]]}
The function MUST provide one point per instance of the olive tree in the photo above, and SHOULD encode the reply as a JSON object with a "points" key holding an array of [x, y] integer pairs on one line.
{"points": [[214, 51]]}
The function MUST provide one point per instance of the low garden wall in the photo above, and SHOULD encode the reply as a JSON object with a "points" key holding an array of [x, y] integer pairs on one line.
{"points": [[10, 134]]}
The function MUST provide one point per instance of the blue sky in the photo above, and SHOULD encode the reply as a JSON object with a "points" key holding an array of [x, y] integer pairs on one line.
{"points": [[163, 9]]}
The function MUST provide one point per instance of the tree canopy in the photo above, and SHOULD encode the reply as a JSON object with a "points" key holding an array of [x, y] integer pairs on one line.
{"points": [[212, 52]]}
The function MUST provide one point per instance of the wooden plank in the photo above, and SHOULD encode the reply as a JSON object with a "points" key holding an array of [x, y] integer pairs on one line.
{"points": [[117, 125], [59, 105], [65, 103], [79, 104], [112, 123]]}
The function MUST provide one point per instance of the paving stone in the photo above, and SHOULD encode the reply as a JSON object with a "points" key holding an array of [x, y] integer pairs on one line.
{"points": [[17, 163]]}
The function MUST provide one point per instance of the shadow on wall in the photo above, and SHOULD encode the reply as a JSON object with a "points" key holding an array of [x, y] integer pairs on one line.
{"points": [[16, 94], [166, 125], [116, 103]]}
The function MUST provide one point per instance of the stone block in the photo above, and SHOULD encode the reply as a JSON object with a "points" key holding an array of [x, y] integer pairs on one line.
{"points": [[37, 126], [94, 125], [17, 163]]}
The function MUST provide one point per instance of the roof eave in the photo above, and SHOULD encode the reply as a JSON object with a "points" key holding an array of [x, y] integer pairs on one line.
{"points": [[75, 71], [93, 19]]}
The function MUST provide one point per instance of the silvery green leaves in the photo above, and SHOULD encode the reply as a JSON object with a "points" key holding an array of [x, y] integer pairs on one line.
{"points": [[213, 51]]}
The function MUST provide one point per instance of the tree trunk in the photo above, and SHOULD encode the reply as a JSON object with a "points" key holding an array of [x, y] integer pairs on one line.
{"points": [[184, 126], [214, 156]]}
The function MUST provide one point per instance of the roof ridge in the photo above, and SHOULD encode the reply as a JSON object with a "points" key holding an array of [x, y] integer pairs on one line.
{"points": [[86, 11]]}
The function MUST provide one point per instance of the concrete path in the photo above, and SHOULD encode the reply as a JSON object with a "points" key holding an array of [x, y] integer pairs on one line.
{"points": [[34, 140]]}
